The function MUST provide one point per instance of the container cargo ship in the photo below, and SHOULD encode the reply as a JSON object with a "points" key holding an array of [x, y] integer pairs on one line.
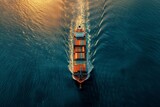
{"points": [[80, 73]]}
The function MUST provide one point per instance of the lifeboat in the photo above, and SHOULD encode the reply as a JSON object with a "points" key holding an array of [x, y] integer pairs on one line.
{"points": [[79, 56]]}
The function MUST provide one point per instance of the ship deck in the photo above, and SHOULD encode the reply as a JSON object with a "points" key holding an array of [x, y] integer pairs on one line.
{"points": [[79, 56]]}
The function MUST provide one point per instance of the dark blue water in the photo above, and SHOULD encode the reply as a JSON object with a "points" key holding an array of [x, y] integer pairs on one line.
{"points": [[124, 50]]}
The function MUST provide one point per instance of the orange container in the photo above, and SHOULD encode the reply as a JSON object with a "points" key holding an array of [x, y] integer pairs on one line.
{"points": [[79, 67]]}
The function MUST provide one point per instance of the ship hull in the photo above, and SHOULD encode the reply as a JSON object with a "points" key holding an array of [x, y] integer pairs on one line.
{"points": [[80, 73]]}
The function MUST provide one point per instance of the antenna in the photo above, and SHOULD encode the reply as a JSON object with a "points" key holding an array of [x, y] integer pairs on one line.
{"points": [[80, 86]]}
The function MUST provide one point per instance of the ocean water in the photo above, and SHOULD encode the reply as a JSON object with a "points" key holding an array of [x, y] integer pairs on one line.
{"points": [[124, 50]]}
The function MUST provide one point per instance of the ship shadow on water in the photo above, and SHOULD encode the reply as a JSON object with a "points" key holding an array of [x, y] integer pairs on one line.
{"points": [[89, 93]]}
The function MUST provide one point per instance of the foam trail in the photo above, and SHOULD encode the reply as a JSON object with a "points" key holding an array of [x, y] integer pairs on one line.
{"points": [[80, 18]]}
